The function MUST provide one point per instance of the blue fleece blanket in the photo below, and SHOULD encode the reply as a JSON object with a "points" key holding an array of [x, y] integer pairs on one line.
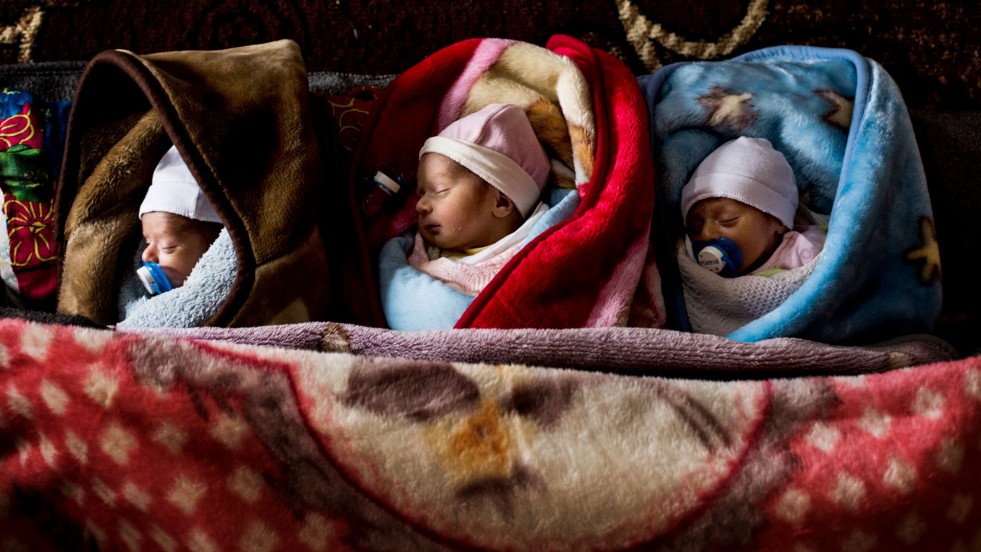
{"points": [[414, 300], [841, 122], [189, 306]]}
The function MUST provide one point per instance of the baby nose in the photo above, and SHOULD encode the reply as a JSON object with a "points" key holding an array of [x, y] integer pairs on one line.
{"points": [[422, 205], [707, 233], [149, 254]]}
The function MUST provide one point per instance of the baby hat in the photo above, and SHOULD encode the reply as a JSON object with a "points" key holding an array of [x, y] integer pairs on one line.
{"points": [[174, 190], [747, 170], [497, 144]]}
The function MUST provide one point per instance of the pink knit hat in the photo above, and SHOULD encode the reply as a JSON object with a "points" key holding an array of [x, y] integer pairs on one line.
{"points": [[497, 144], [747, 170]]}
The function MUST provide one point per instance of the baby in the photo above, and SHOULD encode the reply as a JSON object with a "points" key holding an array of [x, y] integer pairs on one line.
{"points": [[478, 184], [179, 225], [739, 208]]}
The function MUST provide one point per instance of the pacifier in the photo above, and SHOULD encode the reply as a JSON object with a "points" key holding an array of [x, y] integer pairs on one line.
{"points": [[385, 184], [153, 278], [720, 255]]}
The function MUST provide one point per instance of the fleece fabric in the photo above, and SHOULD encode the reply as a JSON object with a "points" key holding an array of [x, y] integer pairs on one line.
{"points": [[840, 121], [240, 119], [585, 108], [128, 441]]}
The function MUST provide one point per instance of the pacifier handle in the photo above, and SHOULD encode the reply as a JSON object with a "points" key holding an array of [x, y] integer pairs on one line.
{"points": [[720, 255], [153, 278]]}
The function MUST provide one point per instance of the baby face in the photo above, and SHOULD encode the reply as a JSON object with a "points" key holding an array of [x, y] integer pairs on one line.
{"points": [[455, 206], [175, 243], [756, 233]]}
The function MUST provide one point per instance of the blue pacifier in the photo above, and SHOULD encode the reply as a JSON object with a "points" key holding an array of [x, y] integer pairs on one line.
{"points": [[720, 255], [153, 278]]}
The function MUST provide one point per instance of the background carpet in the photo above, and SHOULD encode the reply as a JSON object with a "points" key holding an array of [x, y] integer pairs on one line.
{"points": [[931, 48]]}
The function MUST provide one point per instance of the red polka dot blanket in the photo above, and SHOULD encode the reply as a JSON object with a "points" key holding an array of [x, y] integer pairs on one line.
{"points": [[214, 439]]}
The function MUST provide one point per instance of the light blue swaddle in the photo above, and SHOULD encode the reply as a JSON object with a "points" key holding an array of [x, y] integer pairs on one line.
{"points": [[840, 121], [413, 300], [188, 306]]}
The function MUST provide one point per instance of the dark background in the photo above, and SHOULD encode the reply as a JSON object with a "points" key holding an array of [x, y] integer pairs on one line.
{"points": [[931, 48]]}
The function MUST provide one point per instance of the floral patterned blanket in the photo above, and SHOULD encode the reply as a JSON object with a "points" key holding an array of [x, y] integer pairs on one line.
{"points": [[31, 144], [145, 441]]}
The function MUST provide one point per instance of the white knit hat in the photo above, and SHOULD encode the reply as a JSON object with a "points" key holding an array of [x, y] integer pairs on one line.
{"points": [[174, 190], [747, 170], [499, 145]]}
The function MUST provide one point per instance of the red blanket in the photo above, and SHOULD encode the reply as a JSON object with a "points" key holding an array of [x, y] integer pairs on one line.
{"points": [[583, 271], [147, 442]]}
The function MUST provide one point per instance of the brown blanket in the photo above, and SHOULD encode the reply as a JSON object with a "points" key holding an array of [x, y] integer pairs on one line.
{"points": [[240, 119]]}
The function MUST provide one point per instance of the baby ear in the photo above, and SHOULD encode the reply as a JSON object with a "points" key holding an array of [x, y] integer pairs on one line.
{"points": [[503, 206]]}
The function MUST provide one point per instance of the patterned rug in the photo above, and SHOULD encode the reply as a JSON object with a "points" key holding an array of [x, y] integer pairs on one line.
{"points": [[930, 48]]}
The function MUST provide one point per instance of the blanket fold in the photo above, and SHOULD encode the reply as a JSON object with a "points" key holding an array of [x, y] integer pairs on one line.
{"points": [[123, 440], [240, 119], [633, 351]]}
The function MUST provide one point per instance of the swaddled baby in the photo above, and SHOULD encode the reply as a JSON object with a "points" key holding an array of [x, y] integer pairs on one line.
{"points": [[478, 185], [739, 208], [188, 264], [179, 225]]}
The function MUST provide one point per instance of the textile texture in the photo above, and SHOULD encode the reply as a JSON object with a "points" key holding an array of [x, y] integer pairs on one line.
{"points": [[143, 441], [840, 121], [240, 120], [931, 49], [588, 109]]}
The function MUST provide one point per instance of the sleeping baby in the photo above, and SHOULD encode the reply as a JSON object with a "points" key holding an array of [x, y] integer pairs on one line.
{"points": [[477, 205], [739, 208], [478, 185], [179, 225]]}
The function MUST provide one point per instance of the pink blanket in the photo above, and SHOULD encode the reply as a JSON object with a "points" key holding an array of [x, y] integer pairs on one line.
{"points": [[144, 441]]}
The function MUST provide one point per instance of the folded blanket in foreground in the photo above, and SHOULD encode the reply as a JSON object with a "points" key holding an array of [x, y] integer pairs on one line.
{"points": [[132, 441], [638, 351], [240, 119], [840, 121]]}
